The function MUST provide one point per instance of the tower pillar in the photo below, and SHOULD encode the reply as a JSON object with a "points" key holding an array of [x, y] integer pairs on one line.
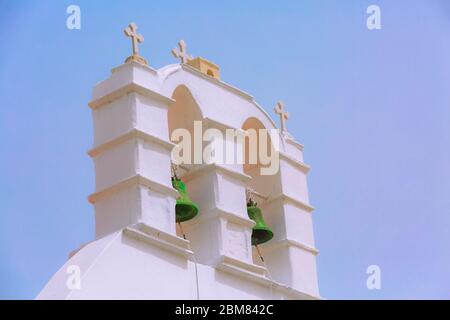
{"points": [[131, 154], [221, 234], [291, 255]]}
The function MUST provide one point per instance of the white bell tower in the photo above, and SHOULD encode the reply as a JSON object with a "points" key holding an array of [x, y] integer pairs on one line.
{"points": [[139, 251]]}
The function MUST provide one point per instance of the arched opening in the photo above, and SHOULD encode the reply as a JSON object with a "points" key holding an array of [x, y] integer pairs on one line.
{"points": [[182, 115], [259, 152], [184, 111]]}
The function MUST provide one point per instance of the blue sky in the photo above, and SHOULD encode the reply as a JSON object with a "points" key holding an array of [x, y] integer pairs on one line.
{"points": [[371, 107]]}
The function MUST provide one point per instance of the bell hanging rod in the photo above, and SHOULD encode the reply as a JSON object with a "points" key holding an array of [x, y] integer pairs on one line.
{"points": [[257, 194]]}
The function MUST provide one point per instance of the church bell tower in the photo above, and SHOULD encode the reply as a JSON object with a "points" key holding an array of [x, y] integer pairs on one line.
{"points": [[197, 229]]}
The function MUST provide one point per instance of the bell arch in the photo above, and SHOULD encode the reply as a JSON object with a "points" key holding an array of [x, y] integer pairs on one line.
{"points": [[184, 111], [217, 100], [255, 146], [263, 186], [182, 114]]}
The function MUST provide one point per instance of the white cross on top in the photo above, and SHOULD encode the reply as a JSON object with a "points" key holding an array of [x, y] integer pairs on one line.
{"points": [[131, 32], [181, 53], [284, 115]]}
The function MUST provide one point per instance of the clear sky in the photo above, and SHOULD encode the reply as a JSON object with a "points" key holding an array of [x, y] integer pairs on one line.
{"points": [[371, 107]]}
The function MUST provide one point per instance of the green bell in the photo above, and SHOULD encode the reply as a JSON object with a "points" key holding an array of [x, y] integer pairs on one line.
{"points": [[185, 208], [261, 232]]}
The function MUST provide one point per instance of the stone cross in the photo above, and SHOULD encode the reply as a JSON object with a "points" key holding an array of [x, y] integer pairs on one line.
{"points": [[131, 32], [181, 53], [279, 109]]}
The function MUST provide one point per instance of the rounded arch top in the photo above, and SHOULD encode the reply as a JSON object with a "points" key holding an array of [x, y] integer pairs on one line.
{"points": [[215, 99], [184, 111]]}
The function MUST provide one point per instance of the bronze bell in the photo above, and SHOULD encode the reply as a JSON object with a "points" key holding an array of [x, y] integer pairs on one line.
{"points": [[261, 232], [185, 208]]}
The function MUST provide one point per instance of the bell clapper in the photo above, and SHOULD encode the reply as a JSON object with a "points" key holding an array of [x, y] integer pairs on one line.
{"points": [[182, 232], [259, 253], [174, 168]]}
